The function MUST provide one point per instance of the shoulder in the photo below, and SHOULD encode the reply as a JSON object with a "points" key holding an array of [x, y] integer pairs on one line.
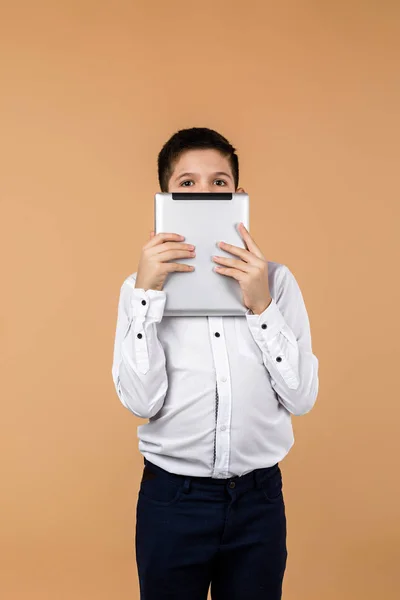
{"points": [[277, 273], [282, 282]]}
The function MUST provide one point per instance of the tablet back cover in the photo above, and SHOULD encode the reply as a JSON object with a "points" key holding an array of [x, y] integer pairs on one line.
{"points": [[204, 219]]}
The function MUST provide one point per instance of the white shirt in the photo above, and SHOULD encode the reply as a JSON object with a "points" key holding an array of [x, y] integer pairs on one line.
{"points": [[218, 392]]}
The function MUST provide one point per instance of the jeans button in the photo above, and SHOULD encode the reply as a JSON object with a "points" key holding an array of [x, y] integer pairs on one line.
{"points": [[232, 484]]}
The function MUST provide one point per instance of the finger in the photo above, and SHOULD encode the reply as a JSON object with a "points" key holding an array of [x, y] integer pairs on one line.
{"points": [[159, 238], [241, 252], [171, 254], [171, 267], [240, 265], [172, 247], [234, 273], [250, 243]]}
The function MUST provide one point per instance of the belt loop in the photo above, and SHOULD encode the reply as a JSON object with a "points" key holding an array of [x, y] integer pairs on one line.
{"points": [[186, 485]]}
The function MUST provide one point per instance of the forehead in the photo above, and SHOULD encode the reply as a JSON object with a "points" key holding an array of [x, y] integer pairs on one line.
{"points": [[201, 161]]}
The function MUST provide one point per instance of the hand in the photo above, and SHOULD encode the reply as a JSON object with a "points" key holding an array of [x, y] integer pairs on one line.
{"points": [[153, 266], [250, 270]]}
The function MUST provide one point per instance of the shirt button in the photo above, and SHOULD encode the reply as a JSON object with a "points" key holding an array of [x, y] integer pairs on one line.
{"points": [[223, 378], [143, 302], [232, 484], [223, 427], [264, 326], [216, 334], [278, 359], [139, 336]]}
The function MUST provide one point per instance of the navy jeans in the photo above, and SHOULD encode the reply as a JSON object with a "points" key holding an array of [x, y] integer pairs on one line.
{"points": [[195, 531]]}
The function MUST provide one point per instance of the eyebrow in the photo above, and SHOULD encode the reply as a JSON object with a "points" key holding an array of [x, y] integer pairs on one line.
{"points": [[214, 174]]}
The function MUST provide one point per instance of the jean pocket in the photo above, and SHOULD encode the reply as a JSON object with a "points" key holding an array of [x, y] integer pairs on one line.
{"points": [[272, 487], [160, 490]]}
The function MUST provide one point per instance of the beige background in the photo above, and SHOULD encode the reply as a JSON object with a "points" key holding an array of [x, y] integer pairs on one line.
{"points": [[89, 91]]}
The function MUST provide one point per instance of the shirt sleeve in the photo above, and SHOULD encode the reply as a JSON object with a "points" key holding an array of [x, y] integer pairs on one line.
{"points": [[282, 333], [139, 365]]}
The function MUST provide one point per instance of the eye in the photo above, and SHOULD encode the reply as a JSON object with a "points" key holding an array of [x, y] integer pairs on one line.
{"points": [[186, 181], [222, 181]]}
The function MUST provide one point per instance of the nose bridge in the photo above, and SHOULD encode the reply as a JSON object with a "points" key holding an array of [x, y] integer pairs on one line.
{"points": [[204, 184]]}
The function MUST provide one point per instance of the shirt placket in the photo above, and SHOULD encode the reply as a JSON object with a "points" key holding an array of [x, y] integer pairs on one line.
{"points": [[222, 422]]}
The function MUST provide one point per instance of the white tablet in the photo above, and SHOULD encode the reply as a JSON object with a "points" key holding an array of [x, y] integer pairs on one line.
{"points": [[204, 219]]}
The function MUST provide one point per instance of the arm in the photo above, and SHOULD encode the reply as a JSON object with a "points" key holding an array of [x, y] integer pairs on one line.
{"points": [[138, 370], [286, 346]]}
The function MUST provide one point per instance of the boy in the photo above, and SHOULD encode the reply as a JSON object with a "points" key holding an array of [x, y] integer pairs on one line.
{"points": [[219, 393]]}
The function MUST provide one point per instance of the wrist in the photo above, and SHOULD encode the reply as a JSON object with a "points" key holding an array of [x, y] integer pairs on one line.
{"points": [[257, 310]]}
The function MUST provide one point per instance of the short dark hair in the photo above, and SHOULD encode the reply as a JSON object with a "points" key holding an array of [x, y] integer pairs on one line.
{"points": [[194, 139]]}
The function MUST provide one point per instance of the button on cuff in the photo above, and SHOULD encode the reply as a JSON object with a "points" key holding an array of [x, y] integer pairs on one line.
{"points": [[148, 303], [268, 324]]}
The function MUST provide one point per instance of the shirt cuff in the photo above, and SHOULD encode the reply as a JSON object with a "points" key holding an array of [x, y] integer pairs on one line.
{"points": [[148, 304], [265, 326]]}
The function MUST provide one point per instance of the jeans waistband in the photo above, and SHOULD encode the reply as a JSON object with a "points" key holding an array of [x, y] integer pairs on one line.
{"points": [[253, 478]]}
